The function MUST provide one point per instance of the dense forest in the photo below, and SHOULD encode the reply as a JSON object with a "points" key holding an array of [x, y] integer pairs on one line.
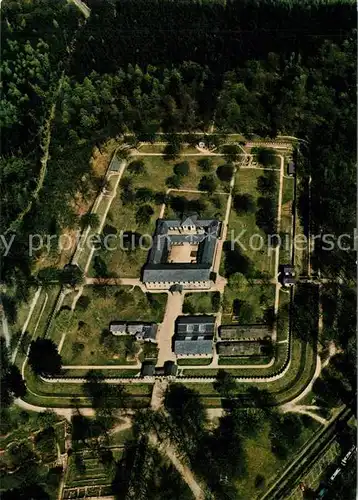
{"points": [[259, 68]]}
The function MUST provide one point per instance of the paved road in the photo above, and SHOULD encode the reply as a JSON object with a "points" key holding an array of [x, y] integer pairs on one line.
{"points": [[166, 328]]}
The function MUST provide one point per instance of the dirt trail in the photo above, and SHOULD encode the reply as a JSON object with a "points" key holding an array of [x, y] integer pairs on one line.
{"points": [[169, 451]]}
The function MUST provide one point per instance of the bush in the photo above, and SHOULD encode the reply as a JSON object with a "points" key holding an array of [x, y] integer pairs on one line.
{"points": [[173, 182], [244, 203], [144, 195], [217, 202], [188, 308], [231, 152], [267, 183], [77, 348], [172, 151], [44, 358], [100, 267], [207, 183], [83, 302], [260, 481], [160, 198], [123, 298], [144, 214], [215, 301], [181, 169], [205, 164], [89, 219], [108, 229], [265, 156], [266, 215], [225, 172], [136, 167], [236, 262]]}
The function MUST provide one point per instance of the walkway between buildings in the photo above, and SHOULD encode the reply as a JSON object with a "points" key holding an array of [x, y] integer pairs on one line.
{"points": [[166, 328]]}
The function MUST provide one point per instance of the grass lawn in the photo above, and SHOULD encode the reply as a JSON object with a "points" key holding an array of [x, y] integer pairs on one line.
{"points": [[93, 471], [86, 247], [17, 320], [283, 316], [118, 372], [194, 362], [254, 360], [38, 322], [201, 302], [286, 220], [87, 339], [260, 460], [247, 303], [158, 169], [120, 262], [206, 206], [244, 226], [122, 216], [121, 437], [159, 148], [58, 395]]}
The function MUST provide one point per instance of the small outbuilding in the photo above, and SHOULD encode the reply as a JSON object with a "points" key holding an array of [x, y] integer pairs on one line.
{"points": [[291, 168], [141, 331], [170, 369], [147, 370], [287, 275]]}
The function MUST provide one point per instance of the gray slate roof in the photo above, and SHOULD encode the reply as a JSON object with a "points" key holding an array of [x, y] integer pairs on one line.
{"points": [[116, 164], [191, 347], [170, 368], [158, 270], [147, 370], [118, 327], [150, 332], [175, 273], [145, 330], [193, 326]]}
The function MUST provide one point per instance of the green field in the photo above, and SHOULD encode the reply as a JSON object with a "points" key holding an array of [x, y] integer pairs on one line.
{"points": [[88, 341], [261, 461], [39, 320], [194, 362], [87, 470], [254, 360], [122, 216], [206, 206], [244, 226], [286, 219], [247, 303], [201, 302]]}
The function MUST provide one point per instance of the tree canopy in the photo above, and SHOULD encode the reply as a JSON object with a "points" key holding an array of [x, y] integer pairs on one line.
{"points": [[44, 358]]}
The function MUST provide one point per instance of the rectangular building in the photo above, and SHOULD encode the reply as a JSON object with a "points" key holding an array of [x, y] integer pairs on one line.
{"points": [[194, 336]]}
